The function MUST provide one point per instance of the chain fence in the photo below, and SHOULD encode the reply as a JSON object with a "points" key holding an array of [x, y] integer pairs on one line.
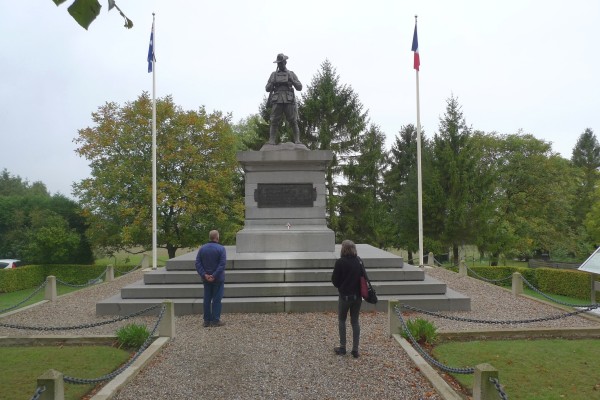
{"points": [[470, 370], [417, 346], [150, 339], [590, 306], [82, 326], [498, 322], [129, 271], [26, 299], [38, 392], [499, 388], [90, 283]]}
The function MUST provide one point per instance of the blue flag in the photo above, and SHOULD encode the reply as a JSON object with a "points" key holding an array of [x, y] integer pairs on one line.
{"points": [[151, 57]]}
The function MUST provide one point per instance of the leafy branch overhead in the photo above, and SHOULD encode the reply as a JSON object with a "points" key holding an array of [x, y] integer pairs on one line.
{"points": [[86, 11]]}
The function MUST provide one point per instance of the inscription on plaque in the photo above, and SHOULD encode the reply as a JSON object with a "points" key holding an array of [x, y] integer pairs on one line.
{"points": [[285, 195]]}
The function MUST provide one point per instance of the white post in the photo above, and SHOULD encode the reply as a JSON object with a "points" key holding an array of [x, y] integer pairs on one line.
{"points": [[154, 217], [110, 273], [419, 173], [483, 388], [53, 381], [166, 328], [462, 268], [517, 284], [50, 291]]}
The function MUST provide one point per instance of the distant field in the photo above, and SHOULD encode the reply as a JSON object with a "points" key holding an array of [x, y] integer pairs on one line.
{"points": [[134, 257]]}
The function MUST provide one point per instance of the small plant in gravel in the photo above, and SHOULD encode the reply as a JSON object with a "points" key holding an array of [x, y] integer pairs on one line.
{"points": [[132, 336], [422, 330]]}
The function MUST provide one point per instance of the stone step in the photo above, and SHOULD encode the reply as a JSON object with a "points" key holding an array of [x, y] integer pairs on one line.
{"points": [[450, 301], [161, 276], [371, 256], [275, 289]]}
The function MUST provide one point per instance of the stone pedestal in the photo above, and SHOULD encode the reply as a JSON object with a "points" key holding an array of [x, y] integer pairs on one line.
{"points": [[285, 202]]}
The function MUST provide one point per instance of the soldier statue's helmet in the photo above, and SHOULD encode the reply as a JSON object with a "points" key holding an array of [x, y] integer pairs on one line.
{"points": [[280, 58]]}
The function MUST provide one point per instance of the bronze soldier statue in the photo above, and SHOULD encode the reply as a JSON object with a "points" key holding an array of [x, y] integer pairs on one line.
{"points": [[281, 85]]}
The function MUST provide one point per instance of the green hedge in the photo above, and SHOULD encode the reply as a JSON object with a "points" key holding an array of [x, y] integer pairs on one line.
{"points": [[31, 276], [563, 282]]}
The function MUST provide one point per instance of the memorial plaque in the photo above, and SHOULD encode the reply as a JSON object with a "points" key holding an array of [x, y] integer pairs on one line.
{"points": [[274, 195]]}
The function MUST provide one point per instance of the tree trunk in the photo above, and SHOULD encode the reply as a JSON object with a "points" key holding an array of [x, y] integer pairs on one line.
{"points": [[494, 260], [455, 255], [171, 249], [410, 257]]}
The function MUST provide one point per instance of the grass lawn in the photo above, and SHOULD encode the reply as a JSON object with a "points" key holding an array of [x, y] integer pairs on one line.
{"points": [[12, 298], [564, 299], [21, 366], [531, 369]]}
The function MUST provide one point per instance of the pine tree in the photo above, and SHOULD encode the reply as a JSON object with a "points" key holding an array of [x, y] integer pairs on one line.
{"points": [[363, 215], [455, 164], [331, 117], [586, 158]]}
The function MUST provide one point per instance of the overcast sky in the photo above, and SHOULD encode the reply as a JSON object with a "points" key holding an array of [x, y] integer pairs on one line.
{"points": [[513, 65]]}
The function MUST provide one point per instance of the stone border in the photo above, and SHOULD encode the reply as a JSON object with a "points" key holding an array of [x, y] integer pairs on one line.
{"points": [[439, 384], [109, 390], [516, 334]]}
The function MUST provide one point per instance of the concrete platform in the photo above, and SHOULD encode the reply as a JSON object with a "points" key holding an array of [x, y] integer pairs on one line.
{"points": [[283, 282]]}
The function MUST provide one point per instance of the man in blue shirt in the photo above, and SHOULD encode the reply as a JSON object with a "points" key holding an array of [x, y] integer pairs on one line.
{"points": [[210, 264]]}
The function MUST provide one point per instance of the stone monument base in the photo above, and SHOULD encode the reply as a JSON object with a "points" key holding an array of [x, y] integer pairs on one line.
{"points": [[285, 200], [269, 238]]}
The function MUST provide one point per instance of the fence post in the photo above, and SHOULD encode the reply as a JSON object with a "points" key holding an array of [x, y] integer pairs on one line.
{"points": [[166, 328], [50, 291], [517, 284], [462, 268], [430, 260], [145, 261], [483, 388], [110, 273], [393, 321], [55, 386]]}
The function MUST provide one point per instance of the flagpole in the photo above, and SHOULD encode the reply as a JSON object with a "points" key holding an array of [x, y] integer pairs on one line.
{"points": [[154, 205], [419, 173]]}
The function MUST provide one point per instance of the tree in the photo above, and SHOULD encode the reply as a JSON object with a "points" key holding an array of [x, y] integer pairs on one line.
{"points": [[532, 199], [401, 191], [86, 11], [362, 213], [331, 117], [592, 221], [196, 169], [39, 228], [455, 167], [586, 158]]}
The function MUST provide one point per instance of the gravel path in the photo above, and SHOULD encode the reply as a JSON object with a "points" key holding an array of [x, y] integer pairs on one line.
{"points": [[283, 356]]}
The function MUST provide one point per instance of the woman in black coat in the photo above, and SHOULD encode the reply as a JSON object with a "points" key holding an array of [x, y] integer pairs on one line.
{"points": [[346, 278]]}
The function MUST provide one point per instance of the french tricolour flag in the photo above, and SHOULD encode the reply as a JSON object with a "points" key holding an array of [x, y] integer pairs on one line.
{"points": [[415, 48]]}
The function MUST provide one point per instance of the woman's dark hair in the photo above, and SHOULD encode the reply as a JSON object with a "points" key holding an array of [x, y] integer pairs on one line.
{"points": [[348, 249]]}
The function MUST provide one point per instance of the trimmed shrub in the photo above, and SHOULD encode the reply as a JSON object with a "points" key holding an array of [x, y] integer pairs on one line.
{"points": [[132, 336], [564, 282], [31, 276], [422, 330]]}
